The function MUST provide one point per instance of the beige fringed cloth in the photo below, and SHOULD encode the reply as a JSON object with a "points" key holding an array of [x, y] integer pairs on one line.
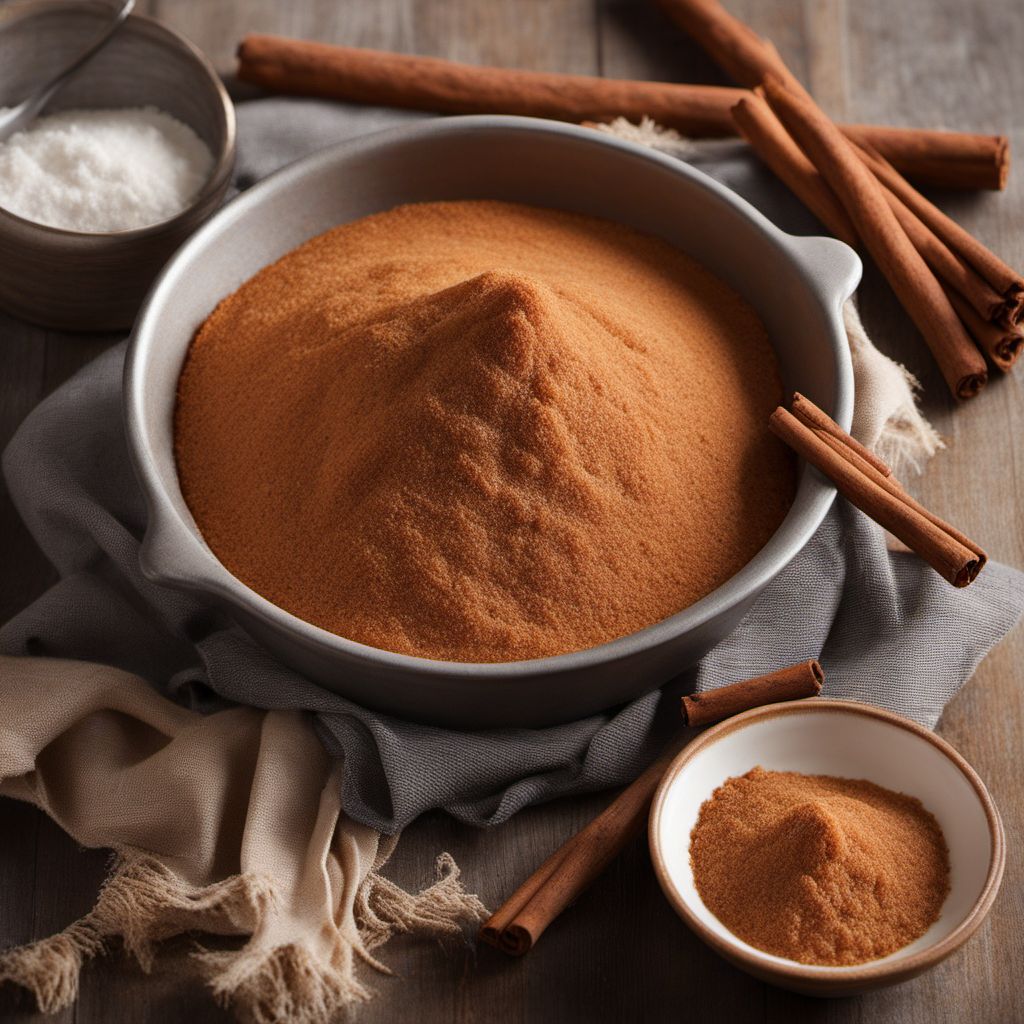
{"points": [[228, 824]]}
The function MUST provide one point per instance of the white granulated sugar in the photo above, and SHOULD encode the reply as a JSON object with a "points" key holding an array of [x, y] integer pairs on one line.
{"points": [[102, 170]]}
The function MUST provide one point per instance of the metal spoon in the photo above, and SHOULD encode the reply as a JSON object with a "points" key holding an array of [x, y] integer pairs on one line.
{"points": [[15, 118]]}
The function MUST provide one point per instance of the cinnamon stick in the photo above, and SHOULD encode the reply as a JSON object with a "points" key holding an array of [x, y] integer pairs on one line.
{"points": [[768, 138], [427, 83], [866, 204], [804, 679], [819, 421], [1003, 278], [824, 444], [948, 267], [947, 159], [1002, 345], [585, 857], [517, 925], [939, 158], [495, 927], [442, 86], [765, 134], [735, 47]]}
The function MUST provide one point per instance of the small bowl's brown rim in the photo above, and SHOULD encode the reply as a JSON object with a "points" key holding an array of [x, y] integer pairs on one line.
{"points": [[825, 976], [223, 162]]}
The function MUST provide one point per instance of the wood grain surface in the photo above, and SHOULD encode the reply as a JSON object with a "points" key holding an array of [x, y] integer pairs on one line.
{"points": [[621, 954]]}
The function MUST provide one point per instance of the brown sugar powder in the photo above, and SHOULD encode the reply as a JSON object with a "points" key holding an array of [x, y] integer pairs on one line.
{"points": [[819, 869], [481, 431]]}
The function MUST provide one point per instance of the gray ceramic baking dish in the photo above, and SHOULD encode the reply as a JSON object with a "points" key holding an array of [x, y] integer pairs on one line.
{"points": [[797, 285]]}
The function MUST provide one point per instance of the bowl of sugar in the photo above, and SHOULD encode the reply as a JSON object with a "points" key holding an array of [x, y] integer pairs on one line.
{"points": [[127, 160]]}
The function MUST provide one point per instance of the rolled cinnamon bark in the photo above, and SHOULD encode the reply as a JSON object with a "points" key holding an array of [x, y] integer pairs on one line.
{"points": [[735, 47], [767, 137], [818, 420], [950, 269], [1003, 345], [946, 159], [524, 917], [866, 204], [940, 158], [792, 683], [585, 857], [1002, 277], [879, 495], [493, 932], [427, 83]]}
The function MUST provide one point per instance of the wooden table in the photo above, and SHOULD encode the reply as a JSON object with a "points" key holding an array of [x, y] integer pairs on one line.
{"points": [[622, 954]]}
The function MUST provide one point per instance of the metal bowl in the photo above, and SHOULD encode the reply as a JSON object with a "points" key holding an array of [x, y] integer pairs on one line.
{"points": [[96, 281], [797, 285]]}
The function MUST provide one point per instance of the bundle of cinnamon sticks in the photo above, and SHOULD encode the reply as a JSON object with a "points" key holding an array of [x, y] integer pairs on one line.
{"points": [[867, 482], [966, 302]]}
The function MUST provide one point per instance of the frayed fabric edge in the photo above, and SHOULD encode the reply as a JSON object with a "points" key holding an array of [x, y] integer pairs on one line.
{"points": [[443, 910], [141, 903], [293, 983], [144, 902], [889, 420], [647, 132]]}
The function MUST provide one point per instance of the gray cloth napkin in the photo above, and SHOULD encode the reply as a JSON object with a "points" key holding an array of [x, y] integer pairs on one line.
{"points": [[886, 627]]}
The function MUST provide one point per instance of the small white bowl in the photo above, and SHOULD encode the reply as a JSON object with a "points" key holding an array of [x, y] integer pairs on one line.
{"points": [[851, 740]]}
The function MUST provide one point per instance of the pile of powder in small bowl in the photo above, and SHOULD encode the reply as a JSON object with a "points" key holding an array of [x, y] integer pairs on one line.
{"points": [[97, 171], [819, 869]]}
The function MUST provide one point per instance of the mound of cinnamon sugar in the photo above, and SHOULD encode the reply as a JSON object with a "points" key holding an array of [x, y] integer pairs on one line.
{"points": [[819, 869], [480, 431]]}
